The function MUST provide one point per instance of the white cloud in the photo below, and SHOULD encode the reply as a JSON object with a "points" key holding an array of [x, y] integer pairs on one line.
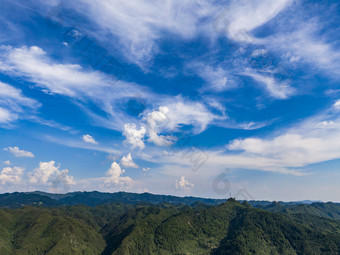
{"points": [[89, 139], [241, 17], [78, 144], [185, 112], [7, 116], [170, 117], [134, 136], [311, 141], [287, 151], [11, 175], [156, 121], [7, 162], [306, 45], [13, 97], [259, 52], [217, 78], [277, 89], [128, 162], [34, 64], [113, 176], [336, 105], [182, 183], [48, 173], [13, 104], [51, 123], [19, 153], [140, 24], [173, 115], [146, 169]]}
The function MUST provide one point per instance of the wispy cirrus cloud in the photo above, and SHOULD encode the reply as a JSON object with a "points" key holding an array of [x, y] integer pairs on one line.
{"points": [[313, 140], [14, 105], [71, 80], [34, 65], [241, 17], [276, 89], [75, 143], [304, 44], [140, 25], [217, 78]]}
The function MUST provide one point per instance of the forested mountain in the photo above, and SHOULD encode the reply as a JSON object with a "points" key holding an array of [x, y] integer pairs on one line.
{"points": [[328, 210], [18, 199], [140, 228]]}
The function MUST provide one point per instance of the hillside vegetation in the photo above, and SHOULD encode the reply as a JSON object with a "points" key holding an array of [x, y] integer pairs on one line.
{"points": [[120, 228]]}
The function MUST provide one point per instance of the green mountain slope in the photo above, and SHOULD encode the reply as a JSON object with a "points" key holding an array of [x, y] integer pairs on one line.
{"points": [[133, 229], [33, 230], [230, 228]]}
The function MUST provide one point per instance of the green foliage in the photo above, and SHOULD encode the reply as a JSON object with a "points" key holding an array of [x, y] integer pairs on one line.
{"points": [[33, 230], [166, 229]]}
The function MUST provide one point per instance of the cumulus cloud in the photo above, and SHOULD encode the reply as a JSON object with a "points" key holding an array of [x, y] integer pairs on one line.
{"points": [[169, 117], [182, 183], [145, 169], [19, 153], [89, 139], [113, 176], [134, 136], [48, 173], [184, 112], [11, 175], [7, 162], [128, 162], [156, 121]]}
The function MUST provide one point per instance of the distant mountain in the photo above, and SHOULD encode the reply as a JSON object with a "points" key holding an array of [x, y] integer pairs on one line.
{"points": [[16, 200], [327, 210], [38, 198]]}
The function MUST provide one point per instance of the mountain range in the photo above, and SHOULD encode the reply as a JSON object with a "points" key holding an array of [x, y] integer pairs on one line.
{"points": [[129, 223]]}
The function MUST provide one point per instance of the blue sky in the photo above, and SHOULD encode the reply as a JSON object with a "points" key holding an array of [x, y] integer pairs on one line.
{"points": [[193, 97]]}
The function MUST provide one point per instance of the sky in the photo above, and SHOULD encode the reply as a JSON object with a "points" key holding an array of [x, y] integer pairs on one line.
{"points": [[188, 98]]}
